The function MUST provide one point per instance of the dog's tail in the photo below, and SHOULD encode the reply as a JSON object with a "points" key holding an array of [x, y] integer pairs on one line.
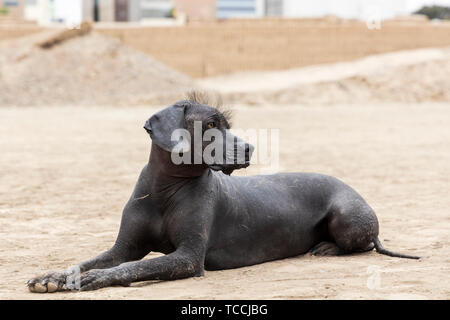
{"points": [[380, 249]]}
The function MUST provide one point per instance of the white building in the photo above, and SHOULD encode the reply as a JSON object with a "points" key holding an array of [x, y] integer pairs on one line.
{"points": [[73, 12], [355, 9], [69, 12], [347, 9]]}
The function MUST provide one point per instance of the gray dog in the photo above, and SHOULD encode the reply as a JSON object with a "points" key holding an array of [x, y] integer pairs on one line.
{"points": [[201, 218]]}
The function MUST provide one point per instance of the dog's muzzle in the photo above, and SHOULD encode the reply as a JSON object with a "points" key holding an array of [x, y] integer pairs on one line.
{"points": [[235, 160]]}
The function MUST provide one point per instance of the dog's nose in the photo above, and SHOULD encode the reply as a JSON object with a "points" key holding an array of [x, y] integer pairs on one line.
{"points": [[147, 127], [149, 131]]}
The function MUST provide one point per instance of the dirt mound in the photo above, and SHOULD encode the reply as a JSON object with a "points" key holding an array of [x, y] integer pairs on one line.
{"points": [[67, 34], [407, 76], [87, 70]]}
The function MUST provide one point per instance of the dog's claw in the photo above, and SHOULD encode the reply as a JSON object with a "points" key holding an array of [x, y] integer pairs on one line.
{"points": [[39, 288], [51, 287]]}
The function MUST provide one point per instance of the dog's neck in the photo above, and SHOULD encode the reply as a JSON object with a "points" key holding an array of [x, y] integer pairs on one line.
{"points": [[165, 174]]}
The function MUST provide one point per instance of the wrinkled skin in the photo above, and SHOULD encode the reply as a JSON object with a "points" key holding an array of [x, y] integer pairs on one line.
{"points": [[204, 219]]}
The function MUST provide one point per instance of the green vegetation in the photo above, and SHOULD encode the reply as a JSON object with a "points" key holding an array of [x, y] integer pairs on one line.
{"points": [[171, 13], [3, 10], [435, 12]]}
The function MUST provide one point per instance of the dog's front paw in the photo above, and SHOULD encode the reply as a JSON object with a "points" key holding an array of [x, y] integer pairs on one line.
{"points": [[55, 281], [99, 278], [51, 282]]}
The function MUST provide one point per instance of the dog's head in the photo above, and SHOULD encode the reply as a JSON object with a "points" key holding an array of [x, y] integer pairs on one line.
{"points": [[198, 134]]}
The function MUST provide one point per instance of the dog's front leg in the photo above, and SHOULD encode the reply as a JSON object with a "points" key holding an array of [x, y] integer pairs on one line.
{"points": [[177, 265], [130, 245], [67, 279]]}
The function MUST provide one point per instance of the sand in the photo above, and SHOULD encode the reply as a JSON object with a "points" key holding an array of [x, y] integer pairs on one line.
{"points": [[69, 163], [85, 70], [66, 174], [405, 76]]}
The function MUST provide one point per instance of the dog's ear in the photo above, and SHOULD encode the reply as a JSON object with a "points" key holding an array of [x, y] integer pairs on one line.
{"points": [[161, 125]]}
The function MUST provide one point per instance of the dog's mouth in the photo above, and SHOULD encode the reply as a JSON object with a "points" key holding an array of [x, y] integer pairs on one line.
{"points": [[233, 166]]}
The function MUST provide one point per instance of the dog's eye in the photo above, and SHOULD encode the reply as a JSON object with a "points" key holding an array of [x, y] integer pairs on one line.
{"points": [[211, 125]]}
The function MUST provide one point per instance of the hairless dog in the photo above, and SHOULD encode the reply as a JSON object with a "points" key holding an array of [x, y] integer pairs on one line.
{"points": [[202, 218]]}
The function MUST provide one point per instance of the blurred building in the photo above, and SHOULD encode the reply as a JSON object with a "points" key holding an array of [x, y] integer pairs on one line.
{"points": [[355, 9], [274, 7], [211, 9], [236, 9], [196, 9], [73, 12], [156, 8], [69, 12]]}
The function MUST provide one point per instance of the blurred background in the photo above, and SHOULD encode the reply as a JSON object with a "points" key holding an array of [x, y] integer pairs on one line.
{"points": [[141, 49], [358, 89]]}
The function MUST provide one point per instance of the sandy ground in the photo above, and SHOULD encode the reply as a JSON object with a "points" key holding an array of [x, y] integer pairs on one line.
{"points": [[263, 81], [66, 173], [411, 76]]}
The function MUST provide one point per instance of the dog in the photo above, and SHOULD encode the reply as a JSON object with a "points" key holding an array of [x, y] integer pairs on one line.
{"points": [[202, 218]]}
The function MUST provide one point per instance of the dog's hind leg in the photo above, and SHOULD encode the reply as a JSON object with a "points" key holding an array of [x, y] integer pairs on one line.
{"points": [[352, 224], [327, 248]]}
